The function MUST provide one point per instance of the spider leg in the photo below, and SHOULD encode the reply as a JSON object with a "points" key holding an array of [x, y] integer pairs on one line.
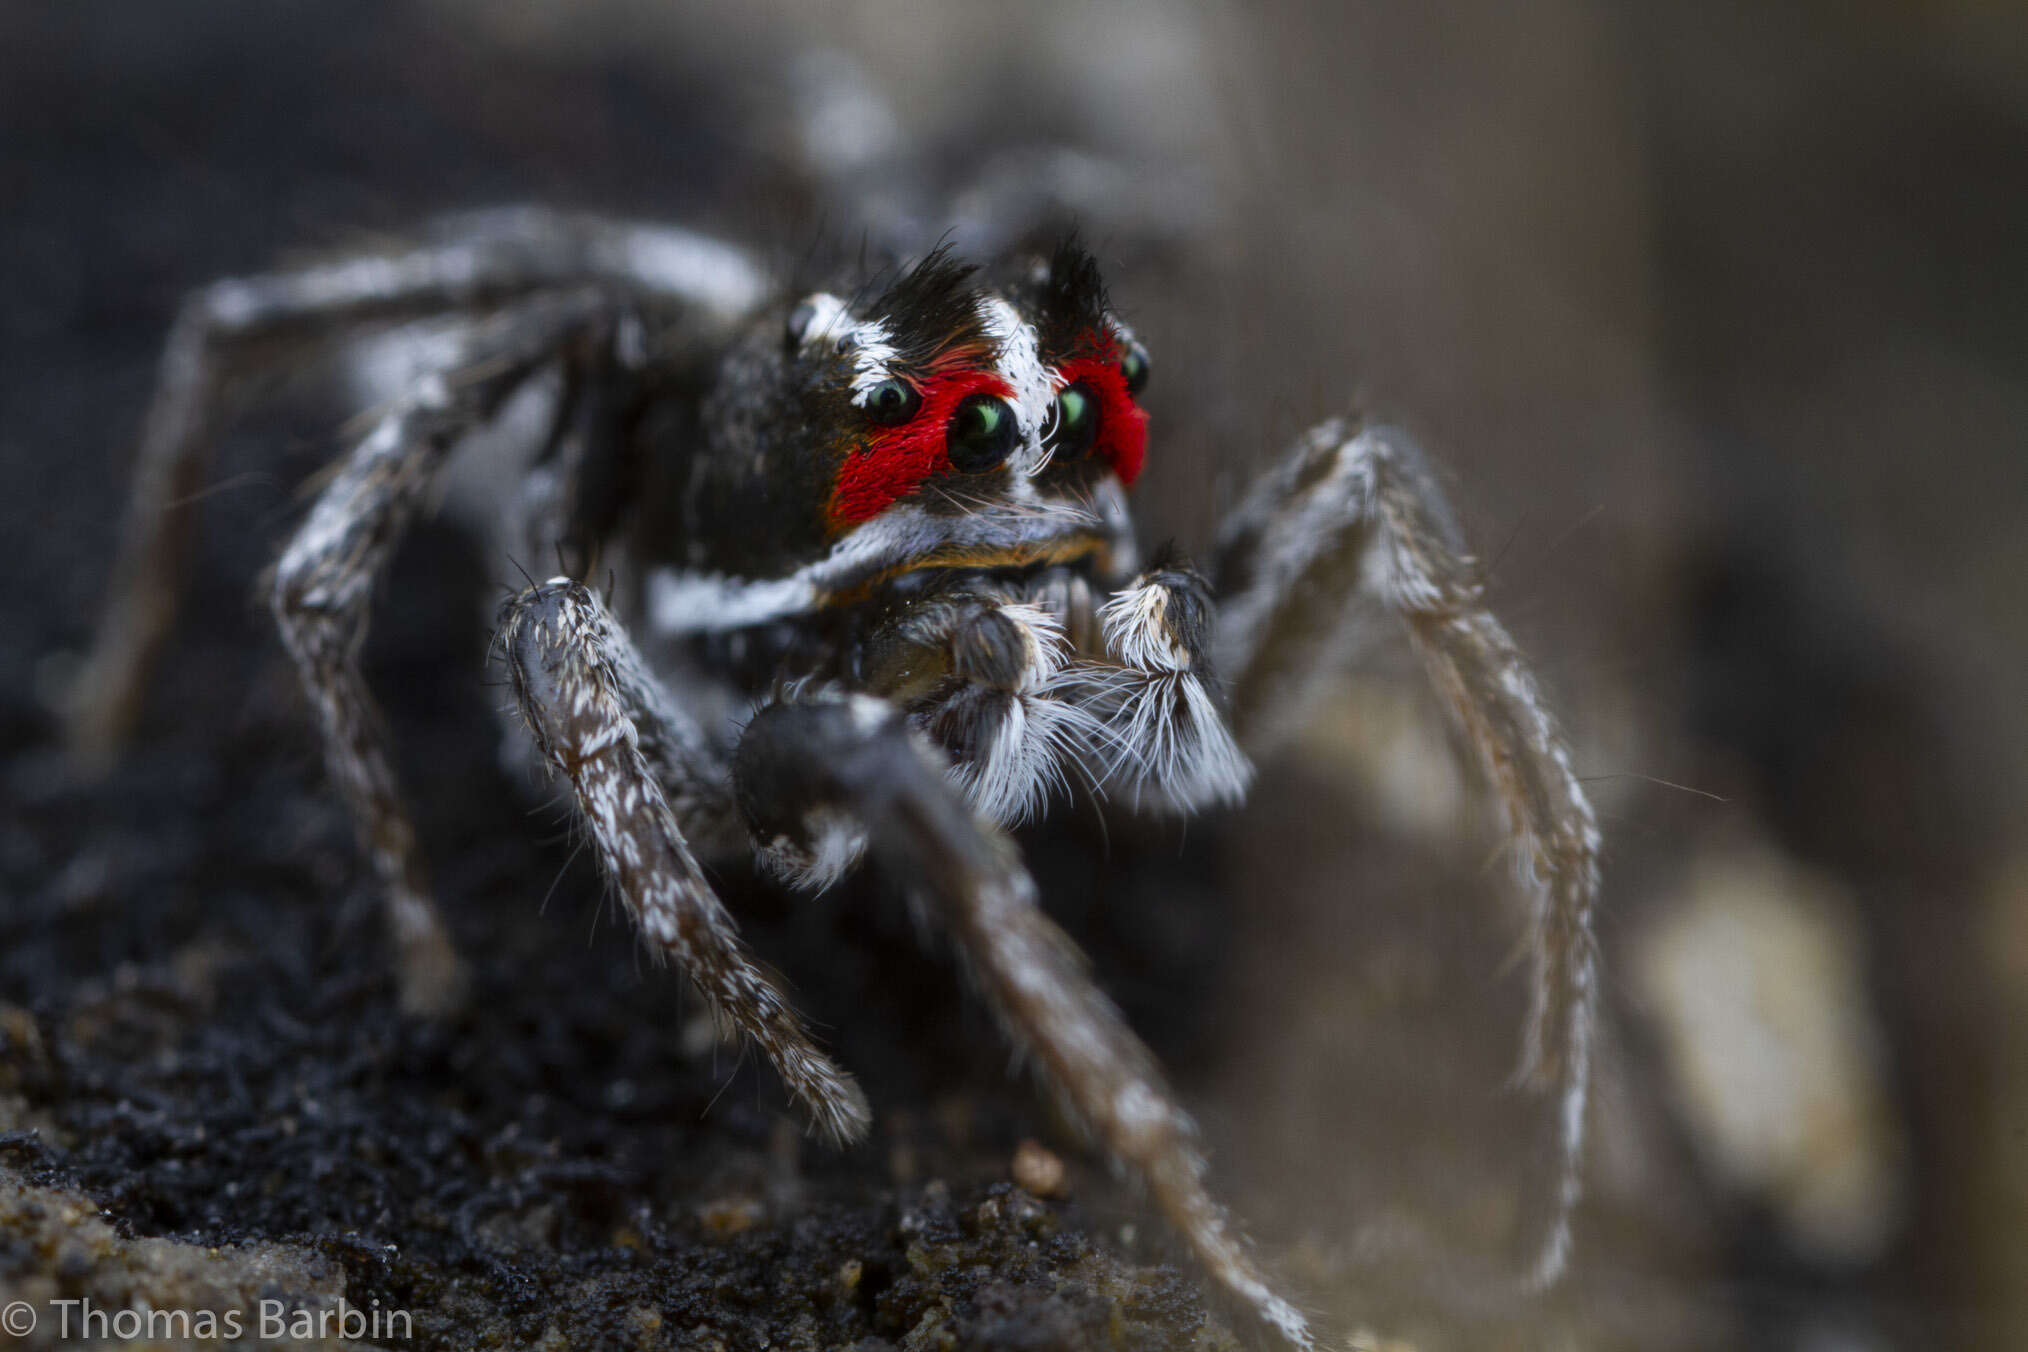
{"points": [[803, 768], [590, 706], [229, 328], [1354, 514], [323, 586], [1154, 691], [979, 673]]}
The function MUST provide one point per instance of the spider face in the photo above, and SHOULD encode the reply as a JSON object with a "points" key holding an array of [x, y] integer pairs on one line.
{"points": [[948, 422]]}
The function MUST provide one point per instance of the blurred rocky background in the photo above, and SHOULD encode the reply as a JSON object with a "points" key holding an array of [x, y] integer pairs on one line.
{"points": [[1716, 317]]}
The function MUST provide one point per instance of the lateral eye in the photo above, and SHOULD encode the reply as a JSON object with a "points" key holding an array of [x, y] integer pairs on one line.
{"points": [[1134, 368], [892, 402], [981, 434], [1077, 420]]}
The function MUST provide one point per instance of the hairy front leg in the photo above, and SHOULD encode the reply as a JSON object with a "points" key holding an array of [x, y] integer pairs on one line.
{"points": [[980, 673], [1152, 688], [1353, 519], [807, 769], [582, 689]]}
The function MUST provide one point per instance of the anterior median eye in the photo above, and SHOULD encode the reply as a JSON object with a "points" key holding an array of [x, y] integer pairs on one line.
{"points": [[1077, 421], [981, 434], [892, 402], [1134, 368]]}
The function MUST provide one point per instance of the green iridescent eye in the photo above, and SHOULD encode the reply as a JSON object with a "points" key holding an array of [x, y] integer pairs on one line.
{"points": [[1075, 407], [892, 402], [1077, 421], [981, 434], [1134, 367]]}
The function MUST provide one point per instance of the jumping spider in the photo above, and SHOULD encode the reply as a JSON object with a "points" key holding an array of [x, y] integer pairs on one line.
{"points": [[874, 589]]}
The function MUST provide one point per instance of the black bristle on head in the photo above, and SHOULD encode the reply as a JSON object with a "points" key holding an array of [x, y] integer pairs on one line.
{"points": [[933, 308], [1073, 299]]}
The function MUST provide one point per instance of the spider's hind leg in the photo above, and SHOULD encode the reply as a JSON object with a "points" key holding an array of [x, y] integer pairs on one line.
{"points": [[807, 770], [1353, 515]]}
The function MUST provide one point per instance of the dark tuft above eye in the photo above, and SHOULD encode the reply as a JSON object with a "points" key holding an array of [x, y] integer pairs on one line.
{"points": [[892, 402], [1077, 421], [981, 434], [1134, 367]]}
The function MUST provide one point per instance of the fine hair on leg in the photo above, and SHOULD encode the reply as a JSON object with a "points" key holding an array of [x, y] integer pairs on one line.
{"points": [[984, 675], [801, 766], [1354, 516], [323, 590], [574, 674], [1156, 695], [230, 328]]}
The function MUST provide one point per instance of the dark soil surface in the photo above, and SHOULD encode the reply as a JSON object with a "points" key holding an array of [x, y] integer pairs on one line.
{"points": [[201, 1039]]}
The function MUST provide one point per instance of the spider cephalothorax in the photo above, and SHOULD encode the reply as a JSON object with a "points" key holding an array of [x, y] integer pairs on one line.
{"points": [[937, 423], [873, 540], [943, 464]]}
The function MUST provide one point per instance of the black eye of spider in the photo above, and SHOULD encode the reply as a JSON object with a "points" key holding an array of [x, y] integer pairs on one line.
{"points": [[1077, 421], [892, 402], [1134, 366], [981, 434]]}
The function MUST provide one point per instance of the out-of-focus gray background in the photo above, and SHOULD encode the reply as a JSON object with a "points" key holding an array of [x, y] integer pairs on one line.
{"points": [[1716, 318]]}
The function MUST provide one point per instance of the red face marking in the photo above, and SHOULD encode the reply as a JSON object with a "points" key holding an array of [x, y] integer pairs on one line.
{"points": [[888, 462], [1123, 424]]}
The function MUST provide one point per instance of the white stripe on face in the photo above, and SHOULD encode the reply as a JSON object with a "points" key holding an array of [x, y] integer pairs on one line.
{"points": [[869, 341], [1032, 381], [688, 602]]}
